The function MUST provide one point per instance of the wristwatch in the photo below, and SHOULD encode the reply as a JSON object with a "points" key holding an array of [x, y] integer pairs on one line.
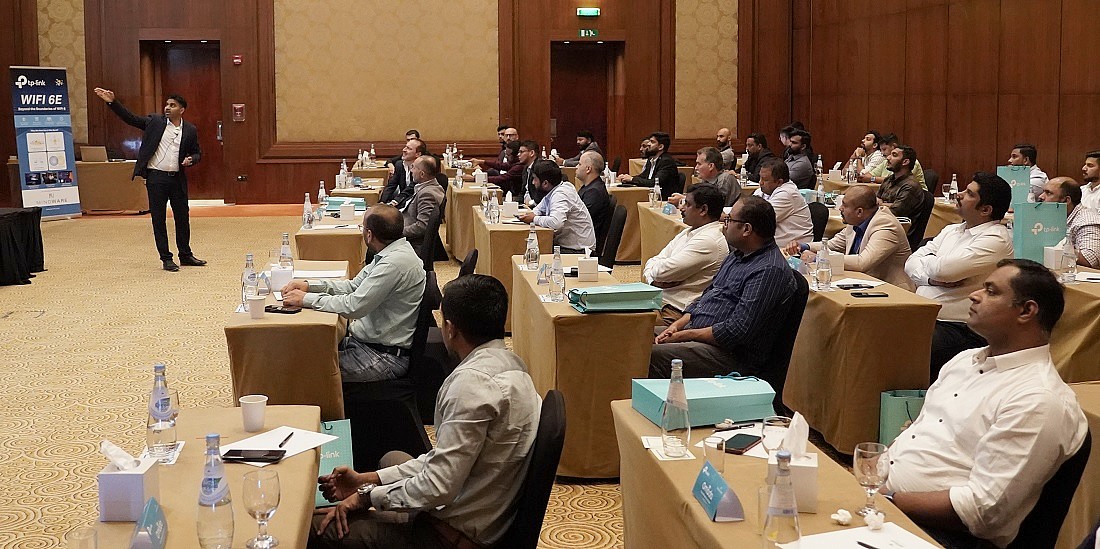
{"points": [[364, 492]]}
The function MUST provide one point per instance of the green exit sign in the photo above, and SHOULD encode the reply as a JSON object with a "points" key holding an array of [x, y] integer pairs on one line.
{"points": [[588, 12], [588, 33]]}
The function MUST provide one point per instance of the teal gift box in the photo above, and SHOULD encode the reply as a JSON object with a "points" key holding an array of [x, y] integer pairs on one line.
{"points": [[334, 203], [710, 399]]}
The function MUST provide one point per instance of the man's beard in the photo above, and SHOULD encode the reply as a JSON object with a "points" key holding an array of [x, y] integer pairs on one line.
{"points": [[650, 153]]}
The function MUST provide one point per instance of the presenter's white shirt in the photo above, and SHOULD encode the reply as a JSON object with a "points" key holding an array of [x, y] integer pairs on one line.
{"points": [[167, 157]]}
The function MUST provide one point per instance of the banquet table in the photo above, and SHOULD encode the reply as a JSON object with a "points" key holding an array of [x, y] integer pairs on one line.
{"points": [[380, 172], [656, 229], [325, 242], [291, 358], [21, 251], [849, 350], [659, 509], [179, 483], [1075, 342], [460, 218], [590, 358], [370, 192], [497, 243], [1085, 507]]}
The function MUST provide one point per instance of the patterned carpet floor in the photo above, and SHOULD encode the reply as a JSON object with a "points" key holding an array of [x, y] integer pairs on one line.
{"points": [[79, 345]]}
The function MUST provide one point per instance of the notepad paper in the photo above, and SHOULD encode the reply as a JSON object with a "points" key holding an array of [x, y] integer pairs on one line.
{"points": [[319, 274], [301, 441], [891, 536]]}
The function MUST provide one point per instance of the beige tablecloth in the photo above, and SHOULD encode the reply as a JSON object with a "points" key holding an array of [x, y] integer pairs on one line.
{"points": [[369, 193], [656, 230], [943, 214], [630, 247], [382, 173], [107, 186], [851, 349], [290, 358], [660, 511], [460, 222], [323, 243], [840, 186], [1085, 508], [496, 244], [179, 483], [1075, 343], [590, 358]]}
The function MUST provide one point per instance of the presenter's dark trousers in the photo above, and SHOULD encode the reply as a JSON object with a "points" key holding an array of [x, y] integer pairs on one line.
{"points": [[948, 340], [165, 187]]}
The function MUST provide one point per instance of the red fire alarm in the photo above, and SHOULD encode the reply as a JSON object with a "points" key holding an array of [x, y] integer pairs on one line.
{"points": [[238, 59]]}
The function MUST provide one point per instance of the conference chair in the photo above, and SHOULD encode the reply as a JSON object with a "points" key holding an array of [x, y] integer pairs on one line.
{"points": [[603, 228], [429, 361], [432, 250], [614, 237], [932, 181], [775, 370], [920, 221], [615, 164], [468, 264], [819, 216], [683, 183], [534, 493]]}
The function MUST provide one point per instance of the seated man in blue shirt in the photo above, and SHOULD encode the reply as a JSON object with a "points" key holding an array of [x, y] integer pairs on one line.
{"points": [[733, 325], [381, 302]]}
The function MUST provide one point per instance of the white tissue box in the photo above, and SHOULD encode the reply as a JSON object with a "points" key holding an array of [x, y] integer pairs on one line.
{"points": [[122, 494], [835, 175], [481, 178], [804, 479], [1052, 257], [588, 269], [347, 212]]}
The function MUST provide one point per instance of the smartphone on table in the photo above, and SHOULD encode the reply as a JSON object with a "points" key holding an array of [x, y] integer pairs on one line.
{"points": [[740, 443]]}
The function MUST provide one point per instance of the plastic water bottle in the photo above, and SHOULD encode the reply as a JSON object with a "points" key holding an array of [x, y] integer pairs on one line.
{"points": [[851, 177], [557, 277], [744, 174], [214, 521], [286, 259], [307, 214], [655, 197], [458, 178], [322, 197], [373, 156], [675, 426], [823, 270], [781, 524], [531, 254], [494, 209], [249, 280], [1069, 261], [160, 432], [544, 152], [953, 192]]}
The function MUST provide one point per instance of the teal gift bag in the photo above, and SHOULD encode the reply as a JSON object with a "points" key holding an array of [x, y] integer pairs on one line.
{"points": [[897, 409], [334, 453], [636, 296], [1035, 226]]}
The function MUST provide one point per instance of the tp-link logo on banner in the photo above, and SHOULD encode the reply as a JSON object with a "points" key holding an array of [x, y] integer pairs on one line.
{"points": [[23, 81], [1038, 228]]}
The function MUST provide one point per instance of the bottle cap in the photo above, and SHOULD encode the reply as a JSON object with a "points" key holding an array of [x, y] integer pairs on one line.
{"points": [[677, 363], [158, 368], [213, 437], [783, 457]]}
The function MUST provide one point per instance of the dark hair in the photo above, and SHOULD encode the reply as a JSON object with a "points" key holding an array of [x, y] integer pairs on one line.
{"points": [[662, 139], [421, 148], [1035, 282], [712, 155], [414, 133], [787, 131], [993, 191], [759, 139], [759, 213], [530, 144], [512, 147], [431, 165], [805, 135], [547, 170], [705, 194], [777, 168], [385, 222], [503, 127], [1028, 151], [477, 305], [873, 133], [910, 154], [1072, 189], [1093, 154], [179, 99], [587, 134], [889, 139], [798, 125]]}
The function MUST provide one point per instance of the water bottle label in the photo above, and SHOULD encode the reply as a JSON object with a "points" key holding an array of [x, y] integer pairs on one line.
{"points": [[160, 408], [213, 490]]}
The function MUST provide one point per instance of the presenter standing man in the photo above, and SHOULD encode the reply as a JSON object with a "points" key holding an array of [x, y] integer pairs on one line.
{"points": [[168, 145]]}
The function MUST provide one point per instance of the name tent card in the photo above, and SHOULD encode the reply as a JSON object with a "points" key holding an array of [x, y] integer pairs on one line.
{"points": [[152, 530], [668, 209], [712, 491]]}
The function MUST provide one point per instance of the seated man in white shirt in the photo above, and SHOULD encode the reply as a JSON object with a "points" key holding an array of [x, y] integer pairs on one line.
{"points": [[686, 265], [461, 493], [873, 241], [792, 215], [1024, 154], [1090, 175], [998, 421], [955, 263], [867, 157], [561, 209], [1083, 224]]}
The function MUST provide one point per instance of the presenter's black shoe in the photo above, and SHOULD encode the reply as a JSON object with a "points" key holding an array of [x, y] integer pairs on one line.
{"points": [[170, 265], [192, 261]]}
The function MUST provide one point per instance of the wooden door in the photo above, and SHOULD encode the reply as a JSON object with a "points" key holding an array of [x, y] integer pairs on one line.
{"points": [[192, 70], [578, 93]]}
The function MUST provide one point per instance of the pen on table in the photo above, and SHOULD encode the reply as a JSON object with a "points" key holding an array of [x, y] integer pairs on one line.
{"points": [[867, 545], [283, 443], [735, 427]]}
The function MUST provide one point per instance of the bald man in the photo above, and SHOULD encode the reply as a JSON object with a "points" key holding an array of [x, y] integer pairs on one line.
{"points": [[873, 241], [1083, 223], [724, 146]]}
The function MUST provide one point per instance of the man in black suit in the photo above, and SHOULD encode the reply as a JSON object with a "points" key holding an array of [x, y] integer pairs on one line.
{"points": [[659, 168], [593, 193], [757, 145], [168, 145], [398, 189]]}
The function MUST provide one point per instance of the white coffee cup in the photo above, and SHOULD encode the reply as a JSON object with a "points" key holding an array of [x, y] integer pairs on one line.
{"points": [[252, 411], [256, 306]]}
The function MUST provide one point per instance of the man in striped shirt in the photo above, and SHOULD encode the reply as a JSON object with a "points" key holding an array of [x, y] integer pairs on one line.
{"points": [[733, 325], [1083, 223]]}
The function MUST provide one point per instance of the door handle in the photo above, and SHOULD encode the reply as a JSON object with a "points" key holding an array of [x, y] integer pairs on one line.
{"points": [[219, 131]]}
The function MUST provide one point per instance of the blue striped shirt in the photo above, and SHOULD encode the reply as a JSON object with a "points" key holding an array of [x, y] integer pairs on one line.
{"points": [[745, 304]]}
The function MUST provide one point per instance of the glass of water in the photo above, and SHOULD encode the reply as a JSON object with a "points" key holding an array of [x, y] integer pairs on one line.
{"points": [[871, 469], [823, 276], [557, 287], [261, 499]]}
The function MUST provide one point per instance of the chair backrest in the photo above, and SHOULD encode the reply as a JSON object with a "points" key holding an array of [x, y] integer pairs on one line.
{"points": [[603, 226], [682, 178], [384, 417], [819, 216], [1040, 527], [431, 244], [614, 237], [616, 163], [468, 264], [931, 180], [920, 221], [780, 360], [534, 495]]}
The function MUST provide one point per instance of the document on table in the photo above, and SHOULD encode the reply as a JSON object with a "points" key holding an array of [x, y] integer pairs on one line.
{"points": [[1088, 277], [301, 441], [891, 536], [601, 268], [319, 274], [333, 227]]}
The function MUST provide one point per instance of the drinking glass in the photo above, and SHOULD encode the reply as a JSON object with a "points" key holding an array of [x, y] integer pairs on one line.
{"points": [[714, 448], [261, 499], [823, 276], [273, 258], [871, 469], [773, 432], [82, 537], [557, 287]]}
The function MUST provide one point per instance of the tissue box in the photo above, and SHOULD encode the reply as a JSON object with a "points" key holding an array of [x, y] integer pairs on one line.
{"points": [[122, 494], [510, 208], [710, 399], [588, 269], [803, 478], [1052, 257]]}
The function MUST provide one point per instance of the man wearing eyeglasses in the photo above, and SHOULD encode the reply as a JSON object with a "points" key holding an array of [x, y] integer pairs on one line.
{"points": [[733, 325]]}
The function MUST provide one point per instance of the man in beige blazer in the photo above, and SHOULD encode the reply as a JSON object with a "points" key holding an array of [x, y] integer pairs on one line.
{"points": [[873, 241]]}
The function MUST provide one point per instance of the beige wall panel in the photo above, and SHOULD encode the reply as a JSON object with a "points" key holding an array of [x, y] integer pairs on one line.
{"points": [[61, 44], [706, 67], [358, 69]]}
